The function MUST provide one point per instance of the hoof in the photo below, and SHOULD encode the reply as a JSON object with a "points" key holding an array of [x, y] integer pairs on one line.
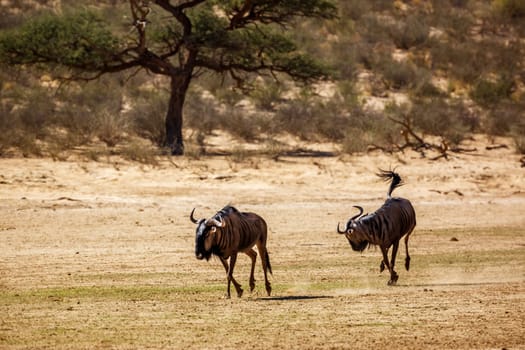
{"points": [[393, 280], [407, 262]]}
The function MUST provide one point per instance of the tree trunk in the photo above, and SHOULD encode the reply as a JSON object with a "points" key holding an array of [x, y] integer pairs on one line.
{"points": [[178, 89]]}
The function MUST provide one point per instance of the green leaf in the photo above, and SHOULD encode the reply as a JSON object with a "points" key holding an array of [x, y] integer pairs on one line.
{"points": [[79, 40]]}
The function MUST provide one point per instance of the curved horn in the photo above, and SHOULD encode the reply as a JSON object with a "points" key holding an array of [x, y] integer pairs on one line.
{"points": [[195, 221], [218, 223], [358, 215], [339, 230], [354, 217]]}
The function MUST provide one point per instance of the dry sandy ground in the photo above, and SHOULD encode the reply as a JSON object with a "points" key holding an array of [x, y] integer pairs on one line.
{"points": [[100, 255]]}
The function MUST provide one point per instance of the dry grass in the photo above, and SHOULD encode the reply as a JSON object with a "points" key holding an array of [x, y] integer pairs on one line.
{"points": [[98, 255], [324, 295]]}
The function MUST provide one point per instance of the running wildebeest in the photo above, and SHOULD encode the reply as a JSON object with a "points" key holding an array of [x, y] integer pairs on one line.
{"points": [[384, 227], [226, 234]]}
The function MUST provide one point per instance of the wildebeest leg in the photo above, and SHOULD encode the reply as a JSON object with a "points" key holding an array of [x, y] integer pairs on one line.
{"points": [[253, 255], [233, 259], [393, 274], [266, 265], [229, 272], [384, 261], [387, 264], [407, 259]]}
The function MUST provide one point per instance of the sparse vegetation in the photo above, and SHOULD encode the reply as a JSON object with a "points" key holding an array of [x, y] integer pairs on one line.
{"points": [[410, 32], [139, 151], [122, 273], [489, 92], [472, 48]]}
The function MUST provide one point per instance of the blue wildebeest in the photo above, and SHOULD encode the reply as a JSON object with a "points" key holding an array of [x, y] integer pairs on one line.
{"points": [[226, 234], [384, 227]]}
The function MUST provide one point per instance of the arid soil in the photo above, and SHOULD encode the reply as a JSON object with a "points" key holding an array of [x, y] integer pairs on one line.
{"points": [[101, 254]]}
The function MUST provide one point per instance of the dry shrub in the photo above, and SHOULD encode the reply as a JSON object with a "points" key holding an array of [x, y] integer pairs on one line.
{"points": [[192, 151], [85, 113], [351, 127], [355, 141], [399, 74], [455, 20], [273, 148], [94, 153], [148, 115], [295, 118], [507, 118], [311, 119], [57, 150], [201, 112], [7, 135], [111, 128], [238, 154], [373, 28], [457, 60], [409, 33], [36, 113], [369, 129], [139, 151], [488, 92], [79, 123], [25, 121], [266, 95], [439, 117], [28, 145], [240, 123]]}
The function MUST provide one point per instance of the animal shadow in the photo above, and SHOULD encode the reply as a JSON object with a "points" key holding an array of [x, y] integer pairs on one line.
{"points": [[293, 297]]}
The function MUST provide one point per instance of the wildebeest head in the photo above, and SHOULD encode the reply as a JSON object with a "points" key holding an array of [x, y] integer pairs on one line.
{"points": [[205, 235], [357, 240]]}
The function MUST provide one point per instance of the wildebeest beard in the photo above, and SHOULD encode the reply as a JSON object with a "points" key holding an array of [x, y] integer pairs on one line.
{"points": [[200, 251], [358, 246]]}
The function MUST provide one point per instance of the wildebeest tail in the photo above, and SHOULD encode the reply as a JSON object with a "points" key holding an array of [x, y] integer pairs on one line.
{"points": [[268, 262], [391, 175]]}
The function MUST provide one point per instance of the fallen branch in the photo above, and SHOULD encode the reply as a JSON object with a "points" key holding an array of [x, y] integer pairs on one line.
{"points": [[490, 148], [417, 143], [463, 150]]}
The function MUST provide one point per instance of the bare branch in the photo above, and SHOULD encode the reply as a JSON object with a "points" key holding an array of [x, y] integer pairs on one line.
{"points": [[139, 12], [420, 144], [408, 129]]}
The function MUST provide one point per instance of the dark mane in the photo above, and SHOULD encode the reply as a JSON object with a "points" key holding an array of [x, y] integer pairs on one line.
{"points": [[227, 210]]}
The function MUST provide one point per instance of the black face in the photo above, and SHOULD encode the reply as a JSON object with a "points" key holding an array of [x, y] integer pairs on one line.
{"points": [[358, 246], [201, 235]]}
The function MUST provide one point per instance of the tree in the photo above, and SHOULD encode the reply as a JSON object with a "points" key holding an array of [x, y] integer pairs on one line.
{"points": [[178, 39]]}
